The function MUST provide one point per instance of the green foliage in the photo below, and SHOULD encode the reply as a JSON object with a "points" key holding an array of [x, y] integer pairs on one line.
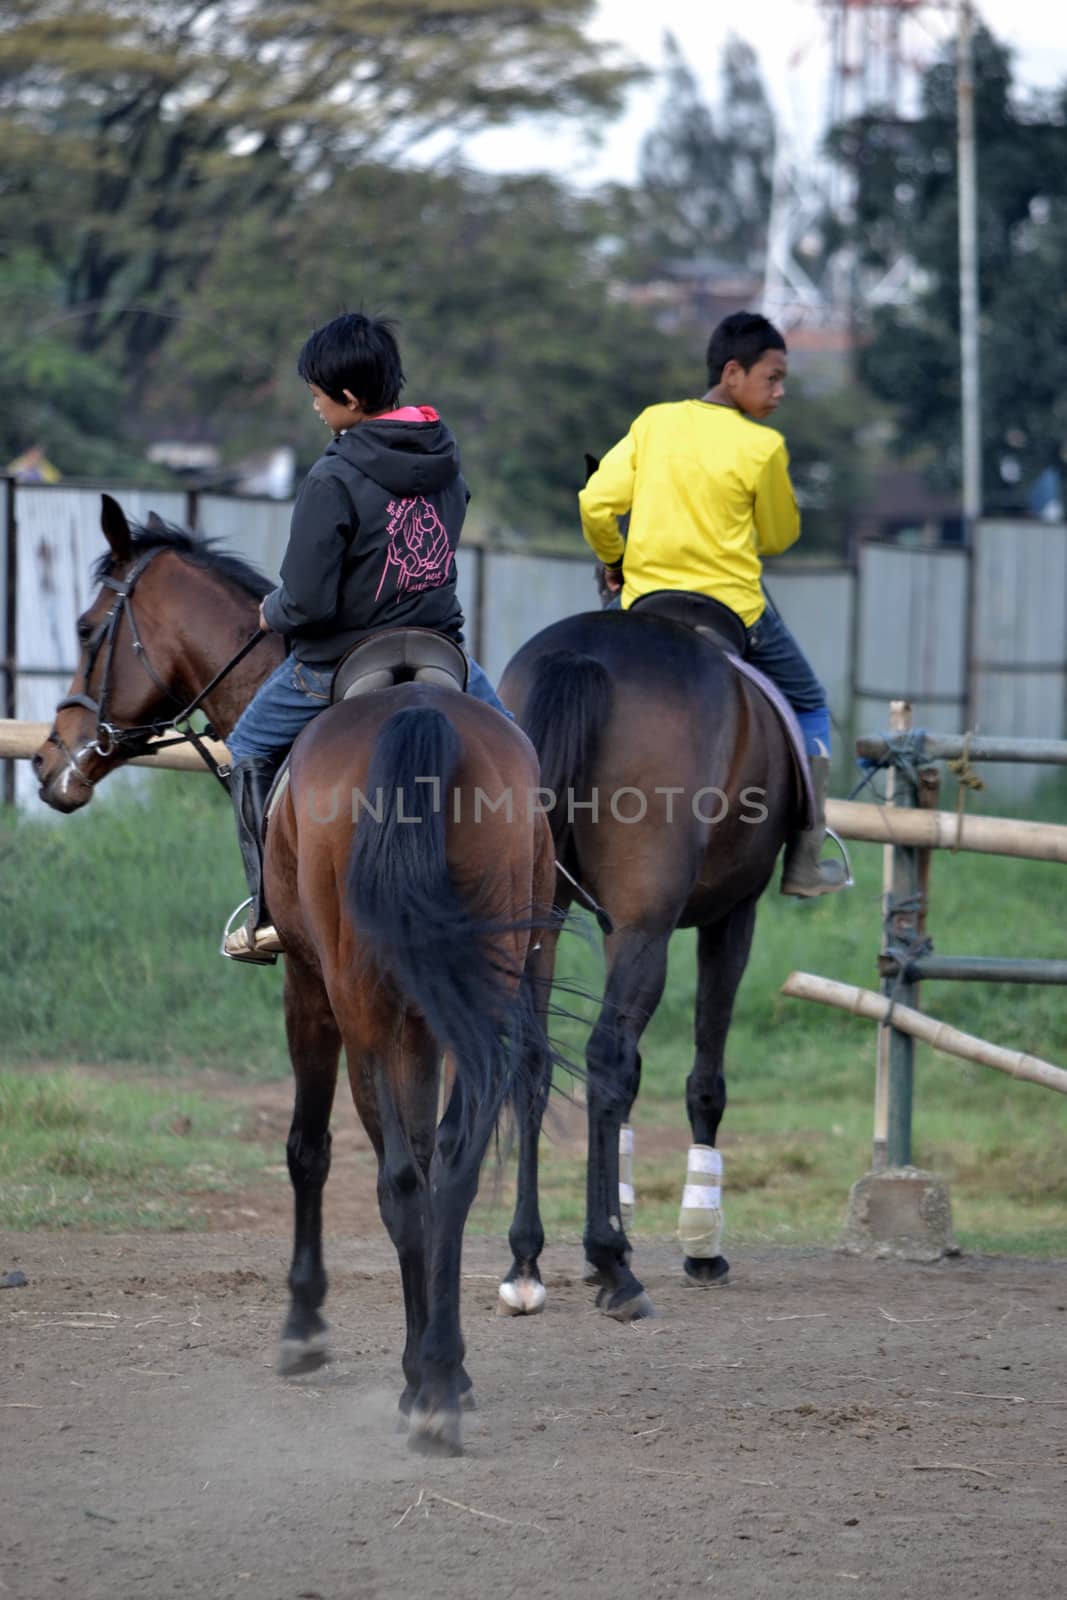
{"points": [[835, 441], [136, 129], [51, 392], [188, 192], [907, 204], [505, 316]]}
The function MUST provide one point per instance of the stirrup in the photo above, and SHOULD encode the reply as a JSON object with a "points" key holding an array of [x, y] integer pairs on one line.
{"points": [[259, 958], [835, 838]]}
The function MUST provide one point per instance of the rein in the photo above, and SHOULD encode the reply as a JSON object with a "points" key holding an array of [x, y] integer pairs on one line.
{"points": [[130, 742]]}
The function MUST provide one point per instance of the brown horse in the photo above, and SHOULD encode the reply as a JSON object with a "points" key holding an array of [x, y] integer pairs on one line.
{"points": [[406, 934], [675, 789]]}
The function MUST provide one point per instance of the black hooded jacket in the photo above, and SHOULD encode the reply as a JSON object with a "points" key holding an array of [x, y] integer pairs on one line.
{"points": [[373, 538]]}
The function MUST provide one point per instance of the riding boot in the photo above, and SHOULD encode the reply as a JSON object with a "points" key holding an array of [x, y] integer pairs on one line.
{"points": [[803, 873], [255, 939]]}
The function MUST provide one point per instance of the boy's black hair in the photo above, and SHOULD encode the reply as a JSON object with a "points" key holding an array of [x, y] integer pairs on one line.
{"points": [[743, 337], [357, 353]]}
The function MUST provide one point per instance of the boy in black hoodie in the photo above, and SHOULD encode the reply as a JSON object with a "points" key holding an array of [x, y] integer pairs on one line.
{"points": [[371, 545]]}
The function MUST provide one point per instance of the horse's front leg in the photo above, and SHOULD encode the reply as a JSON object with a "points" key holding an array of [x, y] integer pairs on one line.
{"points": [[522, 1293], [637, 971], [314, 1048], [722, 954]]}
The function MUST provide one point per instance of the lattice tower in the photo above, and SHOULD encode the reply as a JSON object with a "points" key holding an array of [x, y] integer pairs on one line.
{"points": [[875, 52]]}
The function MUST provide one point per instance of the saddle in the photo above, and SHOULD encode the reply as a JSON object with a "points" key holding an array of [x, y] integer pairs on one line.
{"points": [[723, 629], [400, 655], [710, 618], [396, 655]]}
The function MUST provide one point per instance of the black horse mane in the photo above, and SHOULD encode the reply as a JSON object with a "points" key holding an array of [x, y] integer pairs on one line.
{"points": [[192, 547]]}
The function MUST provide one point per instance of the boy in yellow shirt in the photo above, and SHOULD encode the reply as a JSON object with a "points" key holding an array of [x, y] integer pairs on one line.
{"points": [[708, 494]]}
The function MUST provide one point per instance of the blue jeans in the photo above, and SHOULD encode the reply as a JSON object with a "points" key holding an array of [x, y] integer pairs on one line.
{"points": [[295, 692], [480, 686], [770, 646]]}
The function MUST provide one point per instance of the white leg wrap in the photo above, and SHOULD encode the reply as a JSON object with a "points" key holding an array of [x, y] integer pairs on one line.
{"points": [[700, 1219], [626, 1177]]}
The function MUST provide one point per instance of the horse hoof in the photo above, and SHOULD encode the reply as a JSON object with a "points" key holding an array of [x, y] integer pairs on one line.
{"points": [[706, 1274], [593, 1277], [625, 1306], [467, 1402], [299, 1356], [521, 1297], [435, 1433]]}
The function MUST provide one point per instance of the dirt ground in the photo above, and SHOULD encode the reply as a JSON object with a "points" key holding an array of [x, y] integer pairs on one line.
{"points": [[821, 1427]]}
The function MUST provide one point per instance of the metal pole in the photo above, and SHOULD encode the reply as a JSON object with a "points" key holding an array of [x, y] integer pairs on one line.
{"points": [[903, 915], [970, 376], [968, 240], [899, 722], [9, 705], [986, 969], [950, 746], [903, 912]]}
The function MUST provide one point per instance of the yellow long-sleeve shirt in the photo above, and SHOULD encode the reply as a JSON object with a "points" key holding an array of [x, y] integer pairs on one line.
{"points": [[708, 493]]}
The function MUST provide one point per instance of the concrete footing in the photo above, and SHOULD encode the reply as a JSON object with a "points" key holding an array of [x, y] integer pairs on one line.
{"points": [[901, 1213]]}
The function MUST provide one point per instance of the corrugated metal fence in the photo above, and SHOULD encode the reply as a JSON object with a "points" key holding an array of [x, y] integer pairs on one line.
{"points": [[972, 639]]}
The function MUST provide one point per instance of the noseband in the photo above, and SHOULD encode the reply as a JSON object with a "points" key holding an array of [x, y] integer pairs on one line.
{"points": [[128, 743]]}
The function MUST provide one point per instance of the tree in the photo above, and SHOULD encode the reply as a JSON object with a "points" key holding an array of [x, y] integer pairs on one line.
{"points": [[54, 394], [136, 131], [705, 175], [505, 313], [835, 445], [906, 177]]}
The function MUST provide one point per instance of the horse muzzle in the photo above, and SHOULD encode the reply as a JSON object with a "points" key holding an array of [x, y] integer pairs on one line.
{"points": [[61, 783]]}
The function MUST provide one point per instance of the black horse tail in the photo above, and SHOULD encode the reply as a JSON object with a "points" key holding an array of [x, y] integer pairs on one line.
{"points": [[568, 704], [424, 935]]}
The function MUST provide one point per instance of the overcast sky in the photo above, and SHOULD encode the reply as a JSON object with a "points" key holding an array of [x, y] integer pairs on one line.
{"points": [[790, 38]]}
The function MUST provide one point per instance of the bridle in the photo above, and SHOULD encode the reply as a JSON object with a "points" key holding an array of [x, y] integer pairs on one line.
{"points": [[128, 743]]}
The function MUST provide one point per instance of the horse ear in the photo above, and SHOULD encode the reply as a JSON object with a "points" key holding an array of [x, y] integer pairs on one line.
{"points": [[591, 464], [154, 522], [116, 528]]}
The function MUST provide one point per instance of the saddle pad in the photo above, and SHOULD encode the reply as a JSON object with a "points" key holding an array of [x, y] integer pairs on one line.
{"points": [[787, 717]]}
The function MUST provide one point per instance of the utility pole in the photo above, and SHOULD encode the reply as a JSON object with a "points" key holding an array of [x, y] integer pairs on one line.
{"points": [[970, 378]]}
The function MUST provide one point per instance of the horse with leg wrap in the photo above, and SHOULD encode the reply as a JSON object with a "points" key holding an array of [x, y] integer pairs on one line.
{"points": [[674, 788]]}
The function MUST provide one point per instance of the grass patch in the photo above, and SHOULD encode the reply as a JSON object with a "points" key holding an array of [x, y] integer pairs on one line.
{"points": [[79, 1151], [112, 919], [111, 922], [791, 1187]]}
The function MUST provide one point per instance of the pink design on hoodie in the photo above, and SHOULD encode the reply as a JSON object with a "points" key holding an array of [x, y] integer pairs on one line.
{"points": [[419, 552]]}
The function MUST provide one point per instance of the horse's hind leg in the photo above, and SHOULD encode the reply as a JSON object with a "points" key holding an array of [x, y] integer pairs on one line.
{"points": [[461, 1144], [397, 1104], [722, 953], [637, 970], [522, 1293], [314, 1047]]}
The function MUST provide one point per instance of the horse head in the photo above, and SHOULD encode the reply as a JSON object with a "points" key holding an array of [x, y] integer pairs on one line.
{"points": [[143, 645]]}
